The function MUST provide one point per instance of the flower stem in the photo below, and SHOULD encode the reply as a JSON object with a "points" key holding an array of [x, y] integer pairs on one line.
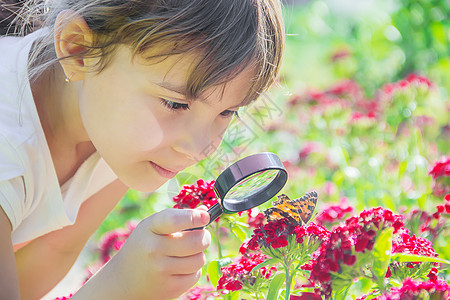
{"points": [[219, 247], [288, 281]]}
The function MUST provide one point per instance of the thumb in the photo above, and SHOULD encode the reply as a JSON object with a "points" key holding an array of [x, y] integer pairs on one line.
{"points": [[174, 220]]}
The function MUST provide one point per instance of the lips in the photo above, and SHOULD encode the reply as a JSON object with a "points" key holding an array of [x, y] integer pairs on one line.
{"points": [[162, 171]]}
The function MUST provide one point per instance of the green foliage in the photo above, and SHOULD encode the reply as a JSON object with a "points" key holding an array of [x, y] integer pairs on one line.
{"points": [[382, 255], [275, 286]]}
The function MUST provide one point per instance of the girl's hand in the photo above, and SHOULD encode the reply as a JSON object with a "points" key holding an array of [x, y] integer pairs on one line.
{"points": [[159, 260]]}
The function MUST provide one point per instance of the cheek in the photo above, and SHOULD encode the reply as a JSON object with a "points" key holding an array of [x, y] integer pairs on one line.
{"points": [[120, 120]]}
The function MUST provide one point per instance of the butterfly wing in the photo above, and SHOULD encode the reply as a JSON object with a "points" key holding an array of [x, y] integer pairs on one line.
{"points": [[283, 207], [306, 205]]}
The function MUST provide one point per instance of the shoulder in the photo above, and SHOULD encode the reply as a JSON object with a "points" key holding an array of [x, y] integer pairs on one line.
{"points": [[18, 118]]}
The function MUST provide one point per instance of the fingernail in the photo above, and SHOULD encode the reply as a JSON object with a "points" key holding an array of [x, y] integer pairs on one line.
{"points": [[205, 217]]}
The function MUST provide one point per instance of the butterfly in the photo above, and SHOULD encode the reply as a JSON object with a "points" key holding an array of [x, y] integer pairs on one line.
{"points": [[298, 211]]}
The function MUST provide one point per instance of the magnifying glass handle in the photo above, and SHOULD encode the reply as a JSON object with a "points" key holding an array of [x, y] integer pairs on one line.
{"points": [[214, 212]]}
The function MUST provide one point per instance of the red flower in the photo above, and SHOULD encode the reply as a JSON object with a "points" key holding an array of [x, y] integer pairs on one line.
{"points": [[307, 149], [441, 168], [340, 54], [112, 241], [275, 235], [410, 80], [388, 273], [419, 290], [333, 214], [255, 221], [432, 275], [430, 224], [358, 234], [193, 195], [237, 274], [404, 243]]}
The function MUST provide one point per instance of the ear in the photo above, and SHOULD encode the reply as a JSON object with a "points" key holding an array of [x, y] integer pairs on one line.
{"points": [[72, 37]]}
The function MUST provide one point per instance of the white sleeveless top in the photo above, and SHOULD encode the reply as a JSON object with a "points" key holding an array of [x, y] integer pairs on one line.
{"points": [[30, 193]]}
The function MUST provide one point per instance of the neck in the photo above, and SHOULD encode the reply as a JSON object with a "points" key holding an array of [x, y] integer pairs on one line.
{"points": [[57, 105]]}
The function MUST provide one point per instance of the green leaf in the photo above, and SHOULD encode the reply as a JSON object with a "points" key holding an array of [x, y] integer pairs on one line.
{"points": [[213, 272], [233, 295], [224, 261], [403, 257], [242, 224], [275, 285], [238, 232], [382, 254], [342, 294], [214, 269]]}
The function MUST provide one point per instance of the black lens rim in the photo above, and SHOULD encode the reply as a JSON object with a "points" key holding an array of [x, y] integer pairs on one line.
{"points": [[244, 168]]}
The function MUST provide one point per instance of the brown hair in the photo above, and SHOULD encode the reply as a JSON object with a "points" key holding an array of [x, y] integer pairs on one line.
{"points": [[231, 35]]}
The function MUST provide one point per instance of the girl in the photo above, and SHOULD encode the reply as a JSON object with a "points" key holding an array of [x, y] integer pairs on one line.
{"points": [[115, 94]]}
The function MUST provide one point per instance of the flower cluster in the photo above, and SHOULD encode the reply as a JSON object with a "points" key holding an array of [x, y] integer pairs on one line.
{"points": [[337, 251], [365, 227], [312, 232], [410, 80], [411, 289], [345, 94], [199, 193], [410, 244], [441, 168], [255, 221], [356, 236], [238, 274], [404, 243], [429, 224], [277, 234], [333, 214], [441, 177]]}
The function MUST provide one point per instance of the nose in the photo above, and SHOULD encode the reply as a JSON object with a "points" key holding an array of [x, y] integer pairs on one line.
{"points": [[195, 141]]}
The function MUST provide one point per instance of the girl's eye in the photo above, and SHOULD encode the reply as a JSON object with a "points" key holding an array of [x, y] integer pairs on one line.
{"points": [[174, 105], [229, 113]]}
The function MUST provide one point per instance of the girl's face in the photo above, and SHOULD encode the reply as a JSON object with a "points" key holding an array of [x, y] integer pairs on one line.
{"points": [[138, 119]]}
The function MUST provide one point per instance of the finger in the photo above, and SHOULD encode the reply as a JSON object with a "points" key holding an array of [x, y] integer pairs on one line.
{"points": [[202, 207], [184, 265], [187, 243], [174, 220], [183, 283]]}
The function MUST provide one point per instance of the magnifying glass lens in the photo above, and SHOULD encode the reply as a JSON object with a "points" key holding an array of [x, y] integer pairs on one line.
{"points": [[253, 190], [250, 186]]}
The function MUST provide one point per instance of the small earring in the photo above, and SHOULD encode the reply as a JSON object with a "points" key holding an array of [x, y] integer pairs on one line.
{"points": [[67, 80]]}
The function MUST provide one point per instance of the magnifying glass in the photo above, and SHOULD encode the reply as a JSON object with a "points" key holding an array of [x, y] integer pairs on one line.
{"points": [[247, 183]]}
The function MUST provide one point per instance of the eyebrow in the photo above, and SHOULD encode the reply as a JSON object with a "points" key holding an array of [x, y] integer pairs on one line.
{"points": [[173, 88]]}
